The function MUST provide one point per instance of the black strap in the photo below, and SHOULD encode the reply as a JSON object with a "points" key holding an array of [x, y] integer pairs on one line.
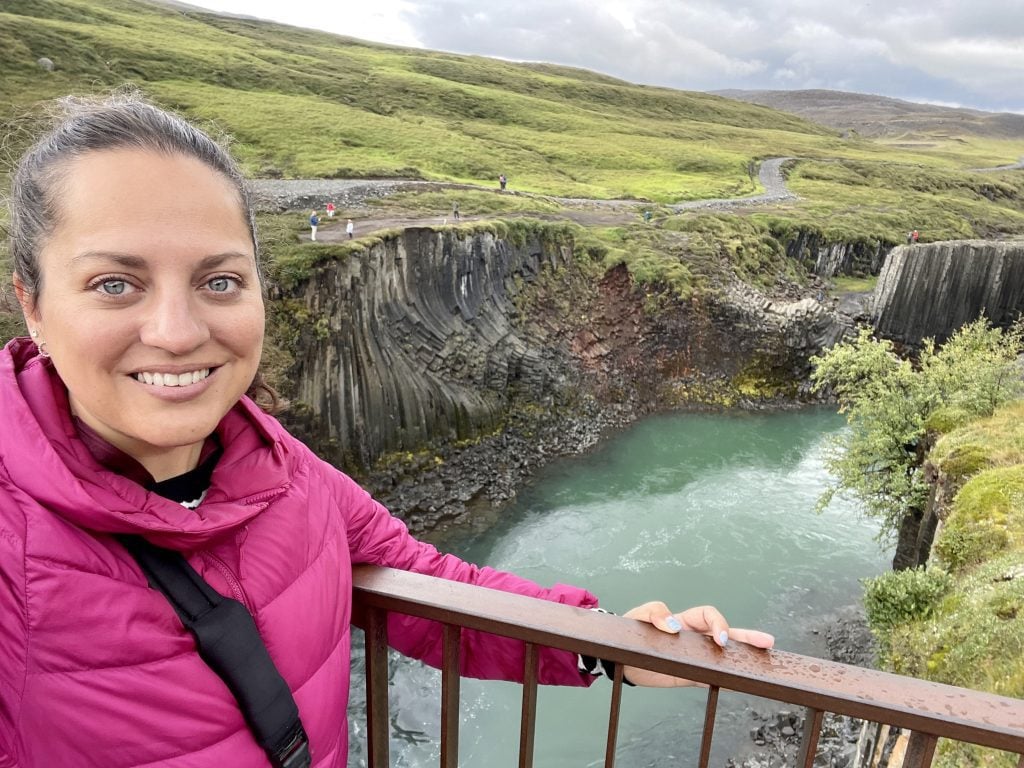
{"points": [[228, 641]]}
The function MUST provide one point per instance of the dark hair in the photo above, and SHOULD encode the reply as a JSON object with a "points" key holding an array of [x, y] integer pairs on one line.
{"points": [[122, 120]]}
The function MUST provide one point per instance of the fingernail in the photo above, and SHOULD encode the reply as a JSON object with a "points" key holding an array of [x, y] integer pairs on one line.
{"points": [[673, 623], [723, 638]]}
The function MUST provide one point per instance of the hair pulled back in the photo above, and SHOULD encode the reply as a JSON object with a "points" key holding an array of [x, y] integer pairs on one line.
{"points": [[123, 120]]}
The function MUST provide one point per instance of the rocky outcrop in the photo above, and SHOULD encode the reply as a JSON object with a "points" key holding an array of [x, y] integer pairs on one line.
{"points": [[827, 258], [431, 337], [929, 291], [418, 338]]}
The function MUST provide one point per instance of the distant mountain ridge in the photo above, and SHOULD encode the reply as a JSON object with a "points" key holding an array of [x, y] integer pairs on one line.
{"points": [[882, 116]]}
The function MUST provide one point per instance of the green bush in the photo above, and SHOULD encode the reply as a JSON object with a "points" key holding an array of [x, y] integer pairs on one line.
{"points": [[898, 597]]}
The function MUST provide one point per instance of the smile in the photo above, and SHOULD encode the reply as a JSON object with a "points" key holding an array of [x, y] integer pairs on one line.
{"points": [[172, 379]]}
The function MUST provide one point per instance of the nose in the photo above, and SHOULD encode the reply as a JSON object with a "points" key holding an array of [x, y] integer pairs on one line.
{"points": [[174, 323]]}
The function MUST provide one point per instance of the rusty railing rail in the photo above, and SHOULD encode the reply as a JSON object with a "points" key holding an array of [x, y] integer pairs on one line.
{"points": [[927, 710]]}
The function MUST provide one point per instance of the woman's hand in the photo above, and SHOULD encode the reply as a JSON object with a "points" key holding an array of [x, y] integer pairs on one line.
{"points": [[705, 619]]}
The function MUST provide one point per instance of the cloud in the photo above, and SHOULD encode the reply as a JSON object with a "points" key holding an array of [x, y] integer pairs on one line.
{"points": [[934, 50], [939, 50]]}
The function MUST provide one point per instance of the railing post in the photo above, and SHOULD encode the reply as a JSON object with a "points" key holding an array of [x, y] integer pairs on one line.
{"points": [[709, 726], [920, 750], [809, 741], [450, 682], [613, 718], [528, 721], [375, 637]]}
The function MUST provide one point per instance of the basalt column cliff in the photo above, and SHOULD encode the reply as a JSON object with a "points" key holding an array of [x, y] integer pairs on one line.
{"points": [[415, 339], [929, 291], [439, 336]]}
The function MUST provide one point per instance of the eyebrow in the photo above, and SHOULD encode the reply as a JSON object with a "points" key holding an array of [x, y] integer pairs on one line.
{"points": [[130, 261]]}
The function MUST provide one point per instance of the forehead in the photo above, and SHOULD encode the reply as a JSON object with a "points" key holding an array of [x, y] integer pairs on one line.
{"points": [[137, 200]]}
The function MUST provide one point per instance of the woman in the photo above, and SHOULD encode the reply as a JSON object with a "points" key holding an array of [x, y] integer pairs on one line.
{"points": [[130, 411]]}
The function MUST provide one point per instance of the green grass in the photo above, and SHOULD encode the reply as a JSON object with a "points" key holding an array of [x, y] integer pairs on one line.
{"points": [[304, 103], [846, 284], [974, 636]]}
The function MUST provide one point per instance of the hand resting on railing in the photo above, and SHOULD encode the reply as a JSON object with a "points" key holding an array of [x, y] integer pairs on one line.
{"points": [[705, 619]]}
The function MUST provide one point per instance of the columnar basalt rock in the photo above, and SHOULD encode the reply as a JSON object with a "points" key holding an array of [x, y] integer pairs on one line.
{"points": [[416, 339], [930, 291], [435, 337], [826, 258]]}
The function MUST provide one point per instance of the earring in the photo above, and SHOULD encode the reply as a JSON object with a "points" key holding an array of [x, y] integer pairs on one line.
{"points": [[34, 333], [41, 346]]}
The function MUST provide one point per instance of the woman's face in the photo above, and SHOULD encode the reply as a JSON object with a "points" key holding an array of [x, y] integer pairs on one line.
{"points": [[150, 302]]}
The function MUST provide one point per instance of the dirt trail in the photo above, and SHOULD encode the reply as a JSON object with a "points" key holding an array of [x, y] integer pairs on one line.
{"points": [[351, 195]]}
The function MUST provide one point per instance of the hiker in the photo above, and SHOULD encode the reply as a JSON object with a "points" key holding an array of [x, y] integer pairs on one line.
{"points": [[140, 462], [330, 210], [914, 236], [502, 181], [350, 228], [314, 222], [455, 210], [647, 217]]}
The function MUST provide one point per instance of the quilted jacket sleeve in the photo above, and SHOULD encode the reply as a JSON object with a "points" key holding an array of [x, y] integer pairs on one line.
{"points": [[377, 537], [13, 631]]}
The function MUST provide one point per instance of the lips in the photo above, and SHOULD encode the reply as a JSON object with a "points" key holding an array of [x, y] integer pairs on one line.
{"points": [[162, 379]]}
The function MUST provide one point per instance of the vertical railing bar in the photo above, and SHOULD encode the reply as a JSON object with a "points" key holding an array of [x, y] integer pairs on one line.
{"points": [[528, 721], [613, 718], [375, 638], [450, 680], [920, 750], [809, 741], [709, 726]]}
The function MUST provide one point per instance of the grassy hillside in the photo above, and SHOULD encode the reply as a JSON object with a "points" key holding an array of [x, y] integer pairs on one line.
{"points": [[962, 621], [300, 103], [303, 103], [871, 115]]}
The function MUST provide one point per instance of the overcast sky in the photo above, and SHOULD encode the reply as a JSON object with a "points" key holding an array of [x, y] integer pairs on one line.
{"points": [[955, 52]]}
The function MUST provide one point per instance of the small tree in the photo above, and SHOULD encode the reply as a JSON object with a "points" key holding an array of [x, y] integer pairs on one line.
{"points": [[890, 404]]}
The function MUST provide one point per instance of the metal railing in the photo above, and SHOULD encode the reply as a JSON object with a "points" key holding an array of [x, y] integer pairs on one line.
{"points": [[927, 710]]}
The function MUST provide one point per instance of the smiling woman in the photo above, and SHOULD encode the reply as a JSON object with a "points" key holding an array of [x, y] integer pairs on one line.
{"points": [[155, 327], [129, 447]]}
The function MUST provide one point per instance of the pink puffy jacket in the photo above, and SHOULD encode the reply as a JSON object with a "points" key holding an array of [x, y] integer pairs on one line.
{"points": [[95, 667]]}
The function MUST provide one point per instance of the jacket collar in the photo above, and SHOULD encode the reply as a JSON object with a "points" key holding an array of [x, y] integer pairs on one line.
{"points": [[45, 457]]}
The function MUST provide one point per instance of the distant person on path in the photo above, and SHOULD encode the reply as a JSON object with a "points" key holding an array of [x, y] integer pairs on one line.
{"points": [[330, 210], [647, 217], [314, 222], [502, 181], [910, 237], [913, 236], [350, 228], [455, 210]]}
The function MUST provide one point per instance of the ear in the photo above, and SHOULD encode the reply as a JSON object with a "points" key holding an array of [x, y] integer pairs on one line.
{"points": [[27, 300]]}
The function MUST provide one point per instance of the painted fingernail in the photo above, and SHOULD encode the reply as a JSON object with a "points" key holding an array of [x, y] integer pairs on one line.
{"points": [[673, 623], [723, 638]]}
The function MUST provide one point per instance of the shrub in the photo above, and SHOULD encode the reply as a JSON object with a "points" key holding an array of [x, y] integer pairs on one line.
{"points": [[897, 597]]}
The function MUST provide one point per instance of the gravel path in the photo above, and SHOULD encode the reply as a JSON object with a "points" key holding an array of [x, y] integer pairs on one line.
{"points": [[298, 194]]}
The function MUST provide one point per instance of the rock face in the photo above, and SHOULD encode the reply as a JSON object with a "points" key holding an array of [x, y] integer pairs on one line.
{"points": [[929, 291], [828, 259], [441, 337], [416, 339]]}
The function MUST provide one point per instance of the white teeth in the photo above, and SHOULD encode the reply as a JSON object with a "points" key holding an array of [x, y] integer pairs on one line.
{"points": [[172, 379]]}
